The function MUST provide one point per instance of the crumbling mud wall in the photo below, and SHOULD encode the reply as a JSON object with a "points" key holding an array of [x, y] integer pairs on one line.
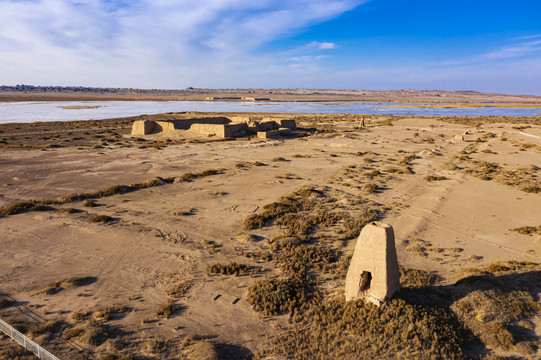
{"points": [[373, 272], [222, 127]]}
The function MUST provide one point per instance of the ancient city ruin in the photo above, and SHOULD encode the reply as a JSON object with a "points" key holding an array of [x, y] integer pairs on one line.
{"points": [[373, 272], [221, 127]]}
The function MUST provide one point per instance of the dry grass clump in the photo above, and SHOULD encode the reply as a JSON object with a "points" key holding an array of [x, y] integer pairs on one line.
{"points": [[286, 205], [191, 176], [301, 226], [67, 211], [101, 219], [533, 189], [277, 159], [183, 212], [258, 163], [91, 334], [408, 159], [179, 289], [523, 176], [353, 226], [17, 208], [399, 170], [230, 269], [497, 304], [435, 178], [89, 203], [528, 230], [370, 188], [66, 283], [336, 329], [413, 278], [422, 322], [166, 310], [12, 350], [278, 296], [203, 350]]}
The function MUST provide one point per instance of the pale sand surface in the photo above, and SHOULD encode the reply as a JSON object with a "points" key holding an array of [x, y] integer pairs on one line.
{"points": [[136, 258]]}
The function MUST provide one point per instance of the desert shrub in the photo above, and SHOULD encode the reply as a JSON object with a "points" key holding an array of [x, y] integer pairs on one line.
{"points": [[89, 203], [353, 227], [101, 219], [191, 176], [182, 212], [293, 259], [534, 189], [230, 269], [258, 163], [277, 159], [528, 230], [435, 178], [17, 208], [41, 207], [49, 327], [494, 300], [66, 283], [270, 211], [399, 170], [407, 160], [93, 334], [336, 329], [278, 296], [67, 210], [372, 173], [165, 310], [412, 278], [371, 188], [179, 289]]}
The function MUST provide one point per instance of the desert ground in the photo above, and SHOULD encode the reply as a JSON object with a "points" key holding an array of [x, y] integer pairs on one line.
{"points": [[239, 248]]}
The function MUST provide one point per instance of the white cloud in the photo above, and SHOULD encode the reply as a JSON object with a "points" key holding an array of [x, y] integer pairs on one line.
{"points": [[146, 43], [517, 50], [321, 45], [307, 58]]}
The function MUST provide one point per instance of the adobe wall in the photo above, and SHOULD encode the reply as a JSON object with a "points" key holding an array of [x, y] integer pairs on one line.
{"points": [[209, 129], [234, 130], [373, 272], [142, 127]]}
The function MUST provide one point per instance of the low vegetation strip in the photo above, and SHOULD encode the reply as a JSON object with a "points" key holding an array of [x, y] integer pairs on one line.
{"points": [[33, 205], [24, 341]]}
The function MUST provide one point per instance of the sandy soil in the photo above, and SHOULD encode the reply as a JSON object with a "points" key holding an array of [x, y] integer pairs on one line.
{"points": [[137, 258]]}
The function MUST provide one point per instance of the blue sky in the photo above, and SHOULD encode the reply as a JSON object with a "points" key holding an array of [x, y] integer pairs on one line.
{"points": [[491, 46]]}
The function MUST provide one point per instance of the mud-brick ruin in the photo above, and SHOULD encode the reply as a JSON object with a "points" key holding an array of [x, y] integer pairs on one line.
{"points": [[373, 272], [222, 127]]}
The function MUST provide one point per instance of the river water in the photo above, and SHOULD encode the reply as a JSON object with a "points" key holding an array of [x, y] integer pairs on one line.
{"points": [[69, 110]]}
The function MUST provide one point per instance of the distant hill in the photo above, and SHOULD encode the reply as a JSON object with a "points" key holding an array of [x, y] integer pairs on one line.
{"points": [[80, 93]]}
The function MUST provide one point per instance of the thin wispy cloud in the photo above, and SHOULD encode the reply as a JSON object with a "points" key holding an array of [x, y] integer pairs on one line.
{"points": [[518, 50], [321, 45], [307, 58]]}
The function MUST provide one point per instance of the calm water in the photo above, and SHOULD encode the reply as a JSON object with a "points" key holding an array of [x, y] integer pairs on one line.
{"points": [[56, 111]]}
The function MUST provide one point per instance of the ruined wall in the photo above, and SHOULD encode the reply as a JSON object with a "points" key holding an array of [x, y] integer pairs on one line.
{"points": [[287, 123], [373, 272], [234, 130], [142, 127], [209, 129], [220, 126]]}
